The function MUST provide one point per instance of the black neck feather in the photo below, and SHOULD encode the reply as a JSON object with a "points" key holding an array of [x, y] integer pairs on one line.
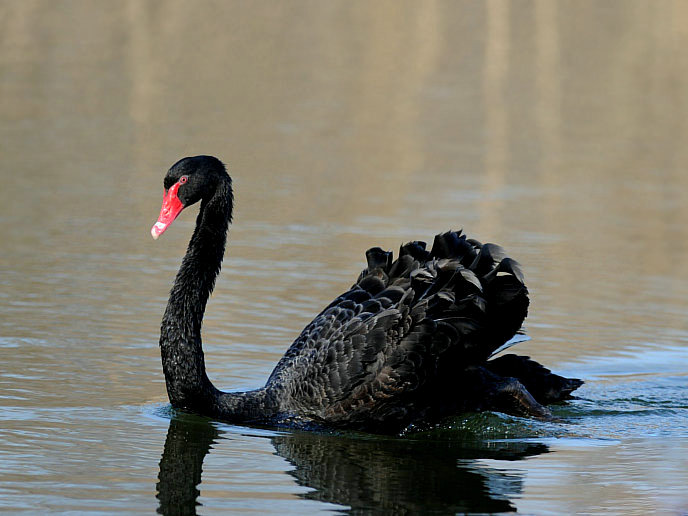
{"points": [[183, 362]]}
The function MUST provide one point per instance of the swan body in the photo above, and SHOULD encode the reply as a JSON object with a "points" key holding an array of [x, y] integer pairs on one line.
{"points": [[409, 343]]}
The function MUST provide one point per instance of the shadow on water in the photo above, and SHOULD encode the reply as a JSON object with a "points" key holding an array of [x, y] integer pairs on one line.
{"points": [[366, 473]]}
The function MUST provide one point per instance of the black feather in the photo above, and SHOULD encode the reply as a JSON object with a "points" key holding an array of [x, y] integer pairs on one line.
{"points": [[376, 257]]}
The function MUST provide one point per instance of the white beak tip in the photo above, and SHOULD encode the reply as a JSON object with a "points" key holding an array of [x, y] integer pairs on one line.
{"points": [[158, 229]]}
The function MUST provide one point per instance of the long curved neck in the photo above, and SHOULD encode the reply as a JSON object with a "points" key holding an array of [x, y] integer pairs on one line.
{"points": [[183, 362]]}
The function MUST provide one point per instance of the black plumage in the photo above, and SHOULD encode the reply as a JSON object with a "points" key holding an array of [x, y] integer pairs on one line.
{"points": [[409, 342]]}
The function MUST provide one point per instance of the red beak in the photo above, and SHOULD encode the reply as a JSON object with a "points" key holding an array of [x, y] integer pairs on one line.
{"points": [[171, 207]]}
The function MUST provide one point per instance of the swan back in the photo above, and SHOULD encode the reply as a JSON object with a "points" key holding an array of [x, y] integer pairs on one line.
{"points": [[389, 350]]}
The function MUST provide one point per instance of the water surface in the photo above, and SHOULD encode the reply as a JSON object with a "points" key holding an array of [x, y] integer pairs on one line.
{"points": [[557, 129]]}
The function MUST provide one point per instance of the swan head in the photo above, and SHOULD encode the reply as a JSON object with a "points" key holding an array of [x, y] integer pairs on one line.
{"points": [[188, 181]]}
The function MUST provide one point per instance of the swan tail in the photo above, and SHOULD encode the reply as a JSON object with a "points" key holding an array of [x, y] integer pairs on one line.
{"points": [[545, 386]]}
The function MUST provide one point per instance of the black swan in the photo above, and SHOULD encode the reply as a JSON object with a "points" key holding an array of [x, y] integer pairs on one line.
{"points": [[411, 342]]}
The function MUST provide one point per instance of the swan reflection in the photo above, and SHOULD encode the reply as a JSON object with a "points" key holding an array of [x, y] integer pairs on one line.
{"points": [[188, 442], [365, 473]]}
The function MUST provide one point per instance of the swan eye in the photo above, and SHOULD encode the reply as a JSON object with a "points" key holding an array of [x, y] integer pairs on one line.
{"points": [[183, 179]]}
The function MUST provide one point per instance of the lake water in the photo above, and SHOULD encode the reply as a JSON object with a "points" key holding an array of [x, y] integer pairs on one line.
{"points": [[558, 129]]}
